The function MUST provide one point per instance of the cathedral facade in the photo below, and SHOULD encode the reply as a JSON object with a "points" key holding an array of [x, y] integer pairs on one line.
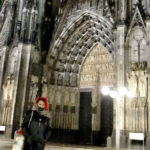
{"points": [[67, 50]]}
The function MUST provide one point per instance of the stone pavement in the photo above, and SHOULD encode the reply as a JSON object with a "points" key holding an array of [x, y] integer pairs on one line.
{"points": [[6, 144]]}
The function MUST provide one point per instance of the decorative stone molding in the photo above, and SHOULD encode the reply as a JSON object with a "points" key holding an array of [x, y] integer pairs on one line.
{"points": [[86, 31]]}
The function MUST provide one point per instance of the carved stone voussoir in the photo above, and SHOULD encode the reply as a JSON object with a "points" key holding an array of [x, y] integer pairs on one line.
{"points": [[73, 80]]}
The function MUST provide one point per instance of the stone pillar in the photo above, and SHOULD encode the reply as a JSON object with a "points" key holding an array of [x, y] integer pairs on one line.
{"points": [[3, 52], [20, 3], [13, 91], [22, 85], [148, 74], [120, 73], [148, 6], [121, 10]]}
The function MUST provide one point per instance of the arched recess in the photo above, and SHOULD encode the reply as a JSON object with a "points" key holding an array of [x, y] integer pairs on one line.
{"points": [[65, 60], [68, 52], [136, 74], [97, 71]]}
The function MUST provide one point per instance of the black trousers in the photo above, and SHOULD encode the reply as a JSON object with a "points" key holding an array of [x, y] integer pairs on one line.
{"points": [[34, 145]]}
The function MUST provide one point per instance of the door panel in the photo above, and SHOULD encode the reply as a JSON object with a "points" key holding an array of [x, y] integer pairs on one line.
{"points": [[85, 118], [106, 118]]}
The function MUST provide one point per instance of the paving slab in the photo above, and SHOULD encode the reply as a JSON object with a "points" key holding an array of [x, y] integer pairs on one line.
{"points": [[6, 144]]}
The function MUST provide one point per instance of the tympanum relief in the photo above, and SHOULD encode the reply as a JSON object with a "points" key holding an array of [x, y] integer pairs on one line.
{"points": [[97, 71], [98, 59]]}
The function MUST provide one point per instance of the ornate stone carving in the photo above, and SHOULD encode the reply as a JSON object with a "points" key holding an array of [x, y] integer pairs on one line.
{"points": [[63, 57], [60, 66], [67, 79], [98, 59], [45, 87], [54, 53], [79, 59], [73, 80], [75, 52], [3, 12], [134, 78], [8, 89], [75, 68], [35, 57], [143, 84], [13, 61], [60, 79], [33, 88], [71, 59], [68, 68]]}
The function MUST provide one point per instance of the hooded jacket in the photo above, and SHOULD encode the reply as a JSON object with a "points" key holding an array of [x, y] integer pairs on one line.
{"points": [[36, 124]]}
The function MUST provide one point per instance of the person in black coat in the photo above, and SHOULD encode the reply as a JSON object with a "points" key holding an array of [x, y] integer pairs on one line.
{"points": [[36, 125]]}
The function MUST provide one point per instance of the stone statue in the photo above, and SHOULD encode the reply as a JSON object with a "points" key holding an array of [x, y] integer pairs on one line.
{"points": [[59, 79], [132, 81], [67, 79], [76, 68], [33, 88], [142, 84], [68, 68], [13, 61], [44, 89], [8, 89], [74, 80]]}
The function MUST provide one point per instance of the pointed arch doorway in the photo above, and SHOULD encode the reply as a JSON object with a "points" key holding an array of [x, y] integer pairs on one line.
{"points": [[97, 71]]}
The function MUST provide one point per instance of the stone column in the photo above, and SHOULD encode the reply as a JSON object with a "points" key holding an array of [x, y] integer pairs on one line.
{"points": [[120, 74], [148, 74], [148, 6], [13, 93], [20, 3], [3, 52], [22, 85], [121, 10]]}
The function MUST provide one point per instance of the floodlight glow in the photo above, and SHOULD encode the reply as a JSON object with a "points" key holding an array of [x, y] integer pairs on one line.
{"points": [[122, 91], [113, 94], [105, 90], [131, 94]]}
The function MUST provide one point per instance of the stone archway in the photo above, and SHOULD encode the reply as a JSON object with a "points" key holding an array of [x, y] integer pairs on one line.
{"points": [[65, 60], [69, 51], [98, 71]]}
